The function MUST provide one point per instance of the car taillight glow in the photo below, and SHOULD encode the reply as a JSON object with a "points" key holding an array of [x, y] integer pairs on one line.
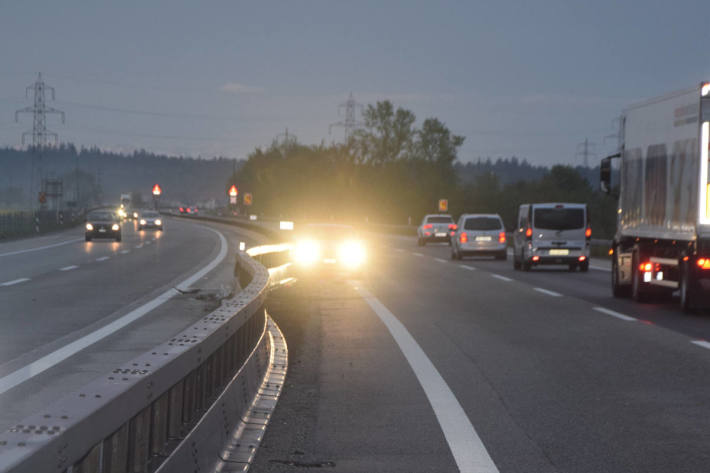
{"points": [[453, 226], [646, 267], [528, 232], [182, 209], [536, 258], [428, 225], [703, 263], [582, 258], [588, 232], [463, 238], [501, 237]]}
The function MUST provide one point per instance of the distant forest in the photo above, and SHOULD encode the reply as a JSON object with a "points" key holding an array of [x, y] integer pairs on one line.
{"points": [[512, 170], [103, 175]]}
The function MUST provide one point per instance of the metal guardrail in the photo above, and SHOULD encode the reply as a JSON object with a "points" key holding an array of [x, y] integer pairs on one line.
{"points": [[23, 223], [137, 416]]}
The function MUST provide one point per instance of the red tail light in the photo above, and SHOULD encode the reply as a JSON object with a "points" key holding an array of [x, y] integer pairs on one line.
{"points": [[428, 225], [528, 233], [646, 267], [703, 263], [182, 209], [453, 226], [588, 232], [536, 258], [463, 238], [582, 258], [501, 237]]}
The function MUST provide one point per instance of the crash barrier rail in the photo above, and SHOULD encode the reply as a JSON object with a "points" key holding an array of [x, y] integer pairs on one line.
{"points": [[141, 415], [23, 223], [243, 222]]}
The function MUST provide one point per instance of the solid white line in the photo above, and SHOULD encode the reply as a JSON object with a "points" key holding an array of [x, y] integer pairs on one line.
{"points": [[440, 260], [19, 252], [502, 278], [417, 254], [103, 258], [68, 268], [36, 367], [466, 446], [465, 266], [614, 313], [599, 268], [549, 293], [15, 281], [701, 343]]}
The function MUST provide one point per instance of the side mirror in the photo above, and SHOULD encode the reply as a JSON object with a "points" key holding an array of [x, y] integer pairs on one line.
{"points": [[605, 173]]}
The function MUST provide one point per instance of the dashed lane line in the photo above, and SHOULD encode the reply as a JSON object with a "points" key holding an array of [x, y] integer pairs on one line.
{"points": [[701, 343], [417, 254], [68, 268], [440, 260], [548, 292], [53, 245], [14, 281], [124, 252], [103, 258], [502, 278], [614, 313], [465, 266]]}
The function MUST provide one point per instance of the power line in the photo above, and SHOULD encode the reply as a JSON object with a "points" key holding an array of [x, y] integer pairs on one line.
{"points": [[350, 123]]}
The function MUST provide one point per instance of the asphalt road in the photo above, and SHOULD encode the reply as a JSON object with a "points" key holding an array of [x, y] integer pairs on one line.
{"points": [[58, 294], [539, 371]]}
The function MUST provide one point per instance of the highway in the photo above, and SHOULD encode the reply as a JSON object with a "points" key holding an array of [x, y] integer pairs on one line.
{"points": [[428, 364], [72, 310]]}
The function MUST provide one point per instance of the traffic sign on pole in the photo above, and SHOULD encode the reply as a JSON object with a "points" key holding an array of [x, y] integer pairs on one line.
{"points": [[157, 190], [443, 205], [247, 198]]}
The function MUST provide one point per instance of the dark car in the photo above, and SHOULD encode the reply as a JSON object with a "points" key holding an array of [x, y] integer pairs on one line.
{"points": [[102, 224]]}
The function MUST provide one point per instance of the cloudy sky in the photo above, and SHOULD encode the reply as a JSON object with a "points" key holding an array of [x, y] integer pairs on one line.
{"points": [[530, 79]]}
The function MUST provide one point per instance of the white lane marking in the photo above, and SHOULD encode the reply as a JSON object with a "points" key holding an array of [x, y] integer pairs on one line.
{"points": [[417, 254], [549, 293], [36, 367], [103, 258], [465, 266], [466, 446], [124, 252], [19, 252], [701, 343], [502, 278], [614, 313], [148, 243], [14, 281], [139, 246], [600, 268], [440, 260], [68, 268]]}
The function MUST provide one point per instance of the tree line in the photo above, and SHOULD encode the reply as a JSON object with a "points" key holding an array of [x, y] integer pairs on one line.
{"points": [[391, 170]]}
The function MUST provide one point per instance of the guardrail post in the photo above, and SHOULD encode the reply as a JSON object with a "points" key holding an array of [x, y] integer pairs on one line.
{"points": [[115, 451]]}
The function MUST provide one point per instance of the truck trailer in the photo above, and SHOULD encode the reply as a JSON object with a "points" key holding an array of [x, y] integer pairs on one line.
{"points": [[662, 241]]}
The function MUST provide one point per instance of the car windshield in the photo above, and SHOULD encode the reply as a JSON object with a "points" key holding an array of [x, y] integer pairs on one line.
{"points": [[439, 219], [101, 216], [558, 218], [482, 223], [150, 214], [327, 232]]}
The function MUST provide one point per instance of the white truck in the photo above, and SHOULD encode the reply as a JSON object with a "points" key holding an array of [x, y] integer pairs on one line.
{"points": [[662, 240]]}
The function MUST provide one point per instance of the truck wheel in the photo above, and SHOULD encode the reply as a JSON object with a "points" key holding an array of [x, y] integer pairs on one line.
{"points": [[572, 267], [687, 293], [503, 255], [639, 292], [617, 289]]}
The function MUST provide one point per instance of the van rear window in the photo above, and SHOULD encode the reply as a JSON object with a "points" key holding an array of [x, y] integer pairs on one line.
{"points": [[482, 223], [558, 219]]}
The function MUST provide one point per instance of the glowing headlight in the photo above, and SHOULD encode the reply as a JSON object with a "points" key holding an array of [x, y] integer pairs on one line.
{"points": [[121, 212], [115, 227], [135, 214], [142, 222], [89, 226], [351, 254], [158, 222], [307, 252]]}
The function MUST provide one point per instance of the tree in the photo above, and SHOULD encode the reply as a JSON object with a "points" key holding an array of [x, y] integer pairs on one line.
{"points": [[387, 136]]}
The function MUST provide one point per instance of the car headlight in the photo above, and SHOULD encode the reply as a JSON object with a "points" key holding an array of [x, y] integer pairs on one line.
{"points": [[158, 222], [89, 226], [142, 222], [115, 227], [307, 252], [352, 254], [135, 214]]}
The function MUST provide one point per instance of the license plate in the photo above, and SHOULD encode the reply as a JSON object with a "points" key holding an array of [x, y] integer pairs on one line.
{"points": [[483, 238], [102, 230], [440, 234], [559, 252]]}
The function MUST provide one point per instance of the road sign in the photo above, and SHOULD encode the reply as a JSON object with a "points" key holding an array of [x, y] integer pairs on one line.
{"points": [[247, 198], [42, 198], [157, 190], [233, 191], [443, 205]]}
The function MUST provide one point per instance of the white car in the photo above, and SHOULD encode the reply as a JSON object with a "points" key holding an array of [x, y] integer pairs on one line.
{"points": [[479, 235], [436, 228]]}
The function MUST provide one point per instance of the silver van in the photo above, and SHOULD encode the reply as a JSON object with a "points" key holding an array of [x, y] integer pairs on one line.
{"points": [[552, 233]]}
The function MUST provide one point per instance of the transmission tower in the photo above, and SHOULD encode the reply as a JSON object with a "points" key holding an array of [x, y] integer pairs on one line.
{"points": [[39, 113], [586, 149], [350, 123]]}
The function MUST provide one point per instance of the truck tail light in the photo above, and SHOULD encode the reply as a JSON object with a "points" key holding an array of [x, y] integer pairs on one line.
{"points": [[463, 238], [645, 267], [536, 258], [501, 237], [453, 226], [588, 233], [528, 233], [703, 263], [582, 258]]}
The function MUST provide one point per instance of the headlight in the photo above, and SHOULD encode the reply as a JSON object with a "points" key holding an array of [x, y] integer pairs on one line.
{"points": [[307, 252], [89, 226], [135, 214], [121, 212], [142, 222], [158, 222], [115, 227], [352, 254]]}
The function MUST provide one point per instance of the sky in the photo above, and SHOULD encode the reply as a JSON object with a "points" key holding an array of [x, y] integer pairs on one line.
{"points": [[219, 78]]}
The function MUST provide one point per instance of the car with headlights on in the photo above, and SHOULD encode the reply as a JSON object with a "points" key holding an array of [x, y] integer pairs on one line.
{"points": [[436, 228], [328, 248], [102, 224], [150, 219], [479, 235]]}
